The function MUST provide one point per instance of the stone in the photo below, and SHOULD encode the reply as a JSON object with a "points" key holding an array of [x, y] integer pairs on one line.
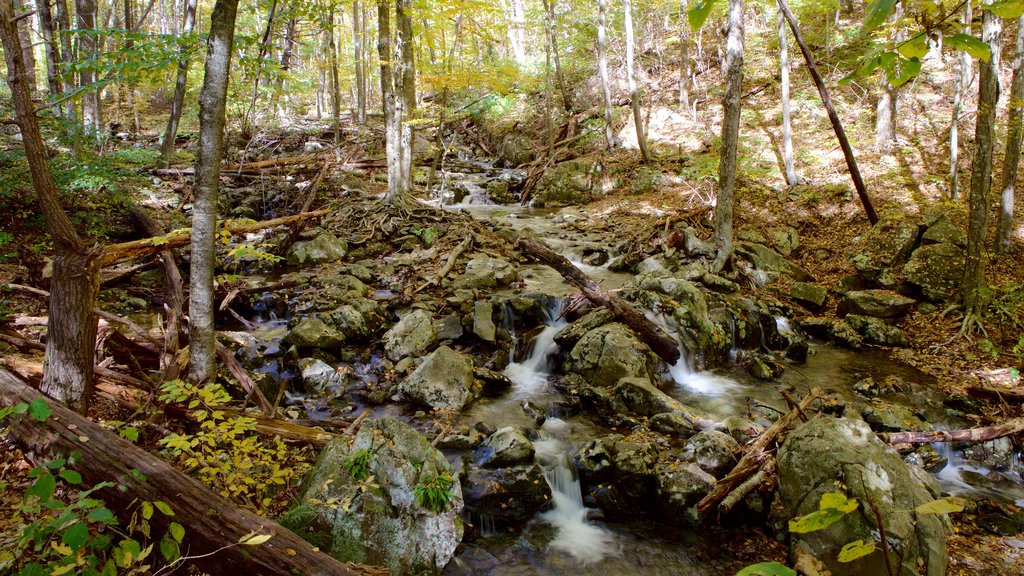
{"points": [[842, 455], [360, 320], [448, 328], [713, 451], [412, 335], [571, 334], [937, 269], [764, 367], [887, 244], [508, 496], [567, 183], [323, 248], [508, 446], [875, 303], [719, 284], [810, 296], [484, 272], [876, 331], [944, 232], [608, 353], [516, 148], [382, 522], [885, 416], [785, 240], [444, 380], [741, 429], [680, 489], [672, 424], [639, 397], [995, 454], [322, 378], [313, 333], [770, 262], [483, 322], [497, 191]]}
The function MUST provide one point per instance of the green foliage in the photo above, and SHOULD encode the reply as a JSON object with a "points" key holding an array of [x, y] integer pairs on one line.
{"points": [[1006, 8], [426, 235], [832, 508], [138, 156], [876, 13], [697, 15], [358, 464], [434, 492], [767, 569]]}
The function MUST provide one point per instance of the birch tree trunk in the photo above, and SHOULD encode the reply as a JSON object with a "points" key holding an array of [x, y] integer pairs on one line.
{"points": [[332, 63], [634, 94], [1013, 142], [404, 52], [549, 24], [360, 63], [981, 169], [288, 46], [963, 82], [602, 65], [179, 87], [27, 53], [730, 136], [885, 112], [212, 100], [787, 129], [71, 326]]}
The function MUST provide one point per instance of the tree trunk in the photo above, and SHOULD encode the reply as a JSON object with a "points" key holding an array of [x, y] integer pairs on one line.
{"points": [[1013, 142], [837, 125], [634, 95], [981, 168], [549, 24], [250, 117], [730, 136], [286, 64], [179, 87], [61, 27], [360, 64], [405, 51], [50, 48], [332, 63], [602, 63], [392, 121], [27, 53], [885, 109], [515, 16], [87, 50], [966, 69], [212, 97], [684, 62], [71, 328], [787, 129]]}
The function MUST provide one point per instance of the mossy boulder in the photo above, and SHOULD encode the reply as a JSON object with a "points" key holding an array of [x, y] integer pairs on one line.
{"points": [[567, 184], [323, 248], [875, 303], [412, 335], [885, 245], [443, 381], [937, 269], [609, 353]]}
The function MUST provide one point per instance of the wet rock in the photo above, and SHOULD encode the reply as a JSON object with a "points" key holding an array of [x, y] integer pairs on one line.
{"points": [[359, 320], [497, 191], [715, 452], [460, 442], [887, 244], [845, 335], [324, 248], [608, 353], [383, 523], [571, 334], [764, 367], [313, 333], [808, 295], [680, 489], [444, 380], [944, 232], [867, 387], [628, 466], [638, 396], [494, 383], [321, 378], [741, 429], [412, 335], [506, 447], [516, 148], [817, 327], [342, 288], [891, 417], [937, 270], [507, 496], [672, 424], [484, 272], [567, 184], [876, 331], [719, 284], [875, 303], [483, 322], [995, 454], [770, 262], [825, 451]]}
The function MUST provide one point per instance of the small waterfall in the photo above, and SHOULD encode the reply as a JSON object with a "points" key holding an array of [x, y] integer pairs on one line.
{"points": [[531, 375], [682, 373]]}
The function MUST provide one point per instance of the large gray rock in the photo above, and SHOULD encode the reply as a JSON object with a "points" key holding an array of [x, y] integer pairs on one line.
{"points": [[483, 321], [942, 231], [516, 148], [715, 452], [937, 270], [810, 296], [679, 490], [412, 335], [507, 495], [885, 416], [887, 244], [876, 331], [484, 272], [876, 303], [313, 333], [567, 183], [321, 378], [444, 380], [770, 262], [837, 454], [359, 320], [377, 519], [506, 447], [638, 396], [608, 353], [325, 247]]}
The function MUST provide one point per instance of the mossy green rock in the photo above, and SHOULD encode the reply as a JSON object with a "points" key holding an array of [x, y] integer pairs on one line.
{"points": [[937, 270], [608, 353], [443, 381], [313, 333], [888, 243], [412, 335], [325, 247], [876, 303], [567, 183]]}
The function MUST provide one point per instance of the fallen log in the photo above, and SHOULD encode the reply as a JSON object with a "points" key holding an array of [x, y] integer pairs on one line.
{"points": [[754, 458], [982, 434], [1004, 394], [449, 263], [661, 343], [244, 379], [137, 248], [213, 526]]}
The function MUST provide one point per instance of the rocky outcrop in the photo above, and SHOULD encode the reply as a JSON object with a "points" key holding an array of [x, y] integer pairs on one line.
{"points": [[810, 296], [876, 331], [506, 447], [937, 270], [679, 490], [412, 335], [360, 504], [324, 248], [506, 496], [484, 272], [837, 454], [883, 247], [608, 353], [567, 184], [443, 381], [875, 303], [713, 451], [770, 263], [313, 333]]}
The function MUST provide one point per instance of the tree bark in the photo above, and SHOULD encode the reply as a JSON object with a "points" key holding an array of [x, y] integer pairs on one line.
{"points": [[213, 526], [730, 136], [286, 64], [71, 328], [660, 343], [634, 95], [963, 81], [405, 51], [602, 64], [179, 86], [332, 63], [202, 349], [27, 53], [982, 434], [360, 63], [549, 22], [249, 118], [1013, 143], [87, 50], [837, 125], [63, 25], [50, 48], [787, 129], [685, 65], [973, 284]]}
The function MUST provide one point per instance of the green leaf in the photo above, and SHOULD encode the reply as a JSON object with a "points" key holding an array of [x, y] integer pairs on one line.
{"points": [[699, 13], [946, 505], [838, 502], [877, 12], [43, 487], [253, 539], [177, 531], [39, 410], [856, 549], [815, 521], [907, 71], [169, 549], [71, 477], [974, 47], [767, 569], [163, 508], [130, 433], [1006, 8], [76, 536], [101, 515], [916, 47]]}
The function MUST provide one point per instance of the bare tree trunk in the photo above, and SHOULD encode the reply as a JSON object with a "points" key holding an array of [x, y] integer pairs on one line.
{"points": [[27, 53], [212, 100], [71, 327], [602, 64], [250, 116], [1013, 142], [837, 125], [67, 54], [50, 48], [360, 63], [730, 136], [962, 84], [685, 66], [286, 65], [549, 24], [404, 51], [391, 103], [87, 50], [634, 94], [787, 129], [981, 169], [179, 88], [332, 63]]}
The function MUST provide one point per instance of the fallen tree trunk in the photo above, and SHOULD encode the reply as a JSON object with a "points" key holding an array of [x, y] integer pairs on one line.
{"points": [[213, 526], [993, 392], [179, 238], [661, 343], [754, 458], [982, 434]]}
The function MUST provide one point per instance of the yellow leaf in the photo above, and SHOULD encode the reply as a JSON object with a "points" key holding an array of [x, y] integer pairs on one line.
{"points": [[257, 539]]}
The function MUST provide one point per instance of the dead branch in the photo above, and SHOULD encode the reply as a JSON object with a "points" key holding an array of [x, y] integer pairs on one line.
{"points": [[983, 434]]}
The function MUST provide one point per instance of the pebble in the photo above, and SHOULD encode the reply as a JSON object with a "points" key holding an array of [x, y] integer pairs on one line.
{"points": [[1015, 543]]}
